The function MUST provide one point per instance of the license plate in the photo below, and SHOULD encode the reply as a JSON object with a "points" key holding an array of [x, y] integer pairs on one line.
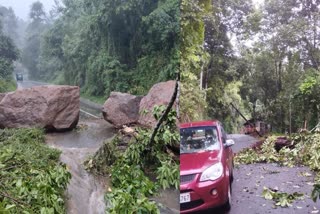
{"points": [[185, 197]]}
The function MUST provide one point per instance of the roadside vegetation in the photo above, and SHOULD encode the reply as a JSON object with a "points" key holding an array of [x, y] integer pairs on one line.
{"points": [[95, 99], [7, 85], [8, 54], [32, 179], [137, 168], [304, 150], [262, 58], [104, 45]]}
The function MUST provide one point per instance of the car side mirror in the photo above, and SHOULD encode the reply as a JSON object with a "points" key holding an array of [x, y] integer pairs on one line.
{"points": [[229, 142]]}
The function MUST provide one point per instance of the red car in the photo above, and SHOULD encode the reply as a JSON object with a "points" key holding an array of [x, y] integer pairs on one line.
{"points": [[206, 166]]}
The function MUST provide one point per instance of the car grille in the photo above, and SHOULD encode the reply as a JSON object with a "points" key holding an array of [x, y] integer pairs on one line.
{"points": [[187, 178], [191, 204]]}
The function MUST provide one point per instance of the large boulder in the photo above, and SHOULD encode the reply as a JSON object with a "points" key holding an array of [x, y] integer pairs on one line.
{"points": [[159, 94], [121, 109], [49, 107]]}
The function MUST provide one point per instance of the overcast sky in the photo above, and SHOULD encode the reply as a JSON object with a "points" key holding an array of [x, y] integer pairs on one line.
{"points": [[22, 7]]}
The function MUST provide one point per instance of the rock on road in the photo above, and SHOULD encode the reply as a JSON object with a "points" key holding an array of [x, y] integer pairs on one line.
{"points": [[91, 109]]}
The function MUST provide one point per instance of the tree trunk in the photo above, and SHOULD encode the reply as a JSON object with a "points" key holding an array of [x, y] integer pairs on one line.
{"points": [[166, 112]]}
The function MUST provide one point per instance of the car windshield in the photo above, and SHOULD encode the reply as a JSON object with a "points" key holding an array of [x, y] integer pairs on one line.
{"points": [[198, 139]]}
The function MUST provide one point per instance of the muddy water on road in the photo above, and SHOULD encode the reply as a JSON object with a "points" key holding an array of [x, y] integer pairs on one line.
{"points": [[85, 193]]}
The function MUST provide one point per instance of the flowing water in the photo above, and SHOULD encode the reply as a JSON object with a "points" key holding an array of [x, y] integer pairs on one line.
{"points": [[85, 193]]}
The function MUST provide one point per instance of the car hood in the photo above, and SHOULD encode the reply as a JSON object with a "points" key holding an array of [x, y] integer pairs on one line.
{"points": [[192, 163]]}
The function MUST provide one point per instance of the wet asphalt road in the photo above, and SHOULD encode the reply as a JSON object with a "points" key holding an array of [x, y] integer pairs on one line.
{"points": [[241, 141], [249, 181]]}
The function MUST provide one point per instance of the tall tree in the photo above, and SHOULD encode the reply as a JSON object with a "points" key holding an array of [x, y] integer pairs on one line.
{"points": [[109, 45], [8, 54], [31, 50]]}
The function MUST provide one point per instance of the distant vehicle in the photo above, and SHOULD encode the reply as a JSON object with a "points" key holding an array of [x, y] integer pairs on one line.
{"points": [[19, 77], [206, 166]]}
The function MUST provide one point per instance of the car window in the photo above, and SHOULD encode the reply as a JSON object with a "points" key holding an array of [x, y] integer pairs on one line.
{"points": [[199, 139]]}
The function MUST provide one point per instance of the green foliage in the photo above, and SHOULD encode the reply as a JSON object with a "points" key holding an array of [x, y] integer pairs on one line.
{"points": [[31, 178], [9, 24], [7, 85], [282, 199], [306, 97], [277, 65], [306, 152], [130, 166], [112, 45], [168, 173], [8, 54], [31, 51], [211, 74], [131, 190], [192, 57]]}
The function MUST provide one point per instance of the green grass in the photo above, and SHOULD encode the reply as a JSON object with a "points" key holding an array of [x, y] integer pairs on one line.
{"points": [[7, 85], [32, 179]]}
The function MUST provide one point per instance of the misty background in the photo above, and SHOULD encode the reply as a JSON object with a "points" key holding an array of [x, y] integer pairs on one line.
{"points": [[22, 7]]}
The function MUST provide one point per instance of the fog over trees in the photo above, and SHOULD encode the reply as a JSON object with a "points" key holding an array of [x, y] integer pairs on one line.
{"points": [[22, 8], [261, 55]]}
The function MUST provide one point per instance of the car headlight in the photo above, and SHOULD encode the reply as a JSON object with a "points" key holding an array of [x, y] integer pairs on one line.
{"points": [[212, 173]]}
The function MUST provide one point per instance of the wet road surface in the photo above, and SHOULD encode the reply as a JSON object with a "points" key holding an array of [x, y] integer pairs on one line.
{"points": [[241, 141], [85, 193], [249, 181]]}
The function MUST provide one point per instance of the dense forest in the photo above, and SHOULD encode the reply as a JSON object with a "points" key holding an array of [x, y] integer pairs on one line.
{"points": [[105, 45], [262, 58]]}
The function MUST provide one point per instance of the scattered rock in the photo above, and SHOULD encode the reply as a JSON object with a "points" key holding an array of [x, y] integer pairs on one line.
{"points": [[121, 109], [159, 94], [49, 107], [128, 130]]}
